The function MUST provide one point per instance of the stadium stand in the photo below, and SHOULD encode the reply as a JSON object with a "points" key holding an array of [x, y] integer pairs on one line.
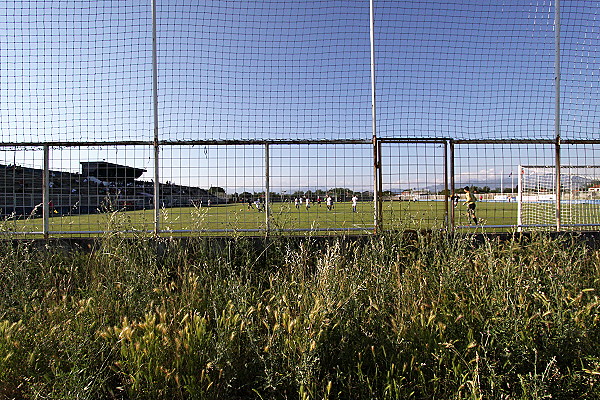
{"points": [[100, 187]]}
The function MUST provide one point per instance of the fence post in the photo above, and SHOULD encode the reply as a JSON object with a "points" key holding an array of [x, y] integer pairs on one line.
{"points": [[267, 189], [377, 194], [557, 107], [46, 192], [156, 190], [446, 189], [520, 199], [558, 185], [376, 166], [155, 108], [452, 185]]}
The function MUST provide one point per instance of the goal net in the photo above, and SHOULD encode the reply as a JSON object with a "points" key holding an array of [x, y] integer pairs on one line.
{"points": [[579, 197]]}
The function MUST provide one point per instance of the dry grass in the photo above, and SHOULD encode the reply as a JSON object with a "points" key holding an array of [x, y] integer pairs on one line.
{"points": [[391, 317]]}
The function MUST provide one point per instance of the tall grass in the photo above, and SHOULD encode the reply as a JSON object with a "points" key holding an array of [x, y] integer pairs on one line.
{"points": [[391, 317]]}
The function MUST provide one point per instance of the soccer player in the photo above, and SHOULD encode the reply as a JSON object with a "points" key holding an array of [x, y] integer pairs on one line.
{"points": [[455, 197], [354, 201], [329, 202], [307, 203], [470, 203]]}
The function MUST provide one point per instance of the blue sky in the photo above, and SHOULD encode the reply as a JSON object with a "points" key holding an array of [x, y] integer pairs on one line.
{"points": [[296, 69]]}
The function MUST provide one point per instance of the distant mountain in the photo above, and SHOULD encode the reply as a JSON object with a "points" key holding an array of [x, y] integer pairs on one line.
{"points": [[545, 181]]}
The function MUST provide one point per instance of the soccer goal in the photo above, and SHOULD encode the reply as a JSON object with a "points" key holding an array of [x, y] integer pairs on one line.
{"points": [[579, 197]]}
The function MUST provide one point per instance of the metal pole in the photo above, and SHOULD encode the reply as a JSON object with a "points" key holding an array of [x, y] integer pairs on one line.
{"points": [[156, 146], [380, 188], [446, 189], [557, 107], [46, 192], [376, 165], [452, 183], [520, 197], [267, 188]]}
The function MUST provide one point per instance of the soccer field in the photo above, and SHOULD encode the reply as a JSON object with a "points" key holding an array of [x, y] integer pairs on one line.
{"points": [[432, 214], [231, 218]]}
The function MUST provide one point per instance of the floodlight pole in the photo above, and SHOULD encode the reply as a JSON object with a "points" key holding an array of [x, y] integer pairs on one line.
{"points": [[155, 104], [557, 108], [376, 155]]}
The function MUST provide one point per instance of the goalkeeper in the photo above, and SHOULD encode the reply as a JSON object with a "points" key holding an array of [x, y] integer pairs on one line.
{"points": [[470, 203]]}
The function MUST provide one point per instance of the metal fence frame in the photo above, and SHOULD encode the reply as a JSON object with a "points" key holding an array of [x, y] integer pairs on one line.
{"points": [[378, 164], [376, 142]]}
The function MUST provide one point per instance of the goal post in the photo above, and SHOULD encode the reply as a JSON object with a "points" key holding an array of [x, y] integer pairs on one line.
{"points": [[579, 197]]}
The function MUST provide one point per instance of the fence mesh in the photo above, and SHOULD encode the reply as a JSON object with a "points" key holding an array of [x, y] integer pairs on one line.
{"points": [[580, 63], [465, 70], [295, 69], [492, 174], [274, 70], [75, 70], [271, 102], [413, 185]]}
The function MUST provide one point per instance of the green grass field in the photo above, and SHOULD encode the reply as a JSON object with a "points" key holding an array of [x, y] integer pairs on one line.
{"points": [[283, 217]]}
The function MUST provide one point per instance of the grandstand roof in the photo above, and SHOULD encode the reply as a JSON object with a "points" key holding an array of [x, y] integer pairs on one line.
{"points": [[110, 172]]}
